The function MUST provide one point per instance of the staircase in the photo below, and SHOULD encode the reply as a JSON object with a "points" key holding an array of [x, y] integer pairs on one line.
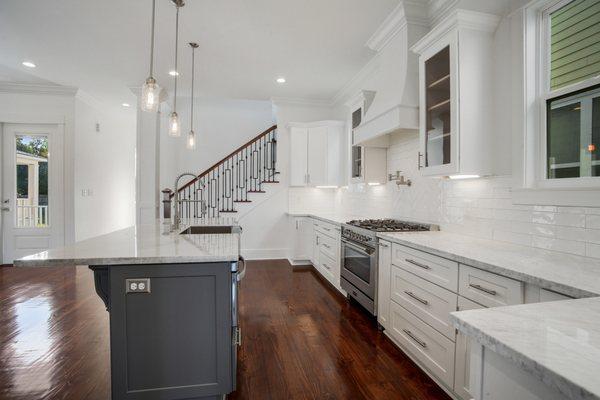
{"points": [[229, 182]]}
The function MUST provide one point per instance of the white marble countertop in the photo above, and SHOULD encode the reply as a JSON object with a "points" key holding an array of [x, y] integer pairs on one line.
{"points": [[333, 218], [568, 274], [145, 244], [557, 342]]}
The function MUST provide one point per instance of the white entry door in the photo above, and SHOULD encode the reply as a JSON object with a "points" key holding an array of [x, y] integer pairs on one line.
{"points": [[32, 189]]}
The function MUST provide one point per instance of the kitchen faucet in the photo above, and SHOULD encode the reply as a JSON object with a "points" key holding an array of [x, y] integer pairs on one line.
{"points": [[177, 215]]}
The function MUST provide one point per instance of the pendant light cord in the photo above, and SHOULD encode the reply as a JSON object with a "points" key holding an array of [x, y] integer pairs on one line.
{"points": [[152, 39], [192, 113], [176, 48]]}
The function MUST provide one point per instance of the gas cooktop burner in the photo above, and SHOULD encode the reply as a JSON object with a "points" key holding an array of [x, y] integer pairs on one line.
{"points": [[390, 225]]}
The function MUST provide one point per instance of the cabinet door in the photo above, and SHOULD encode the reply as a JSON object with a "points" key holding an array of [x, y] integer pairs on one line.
{"points": [[384, 283], [317, 156], [298, 156], [463, 354], [315, 248], [303, 235], [334, 155], [439, 108]]}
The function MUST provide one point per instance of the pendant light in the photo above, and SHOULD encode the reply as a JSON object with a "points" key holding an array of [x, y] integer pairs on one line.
{"points": [[150, 89], [191, 139], [174, 125]]}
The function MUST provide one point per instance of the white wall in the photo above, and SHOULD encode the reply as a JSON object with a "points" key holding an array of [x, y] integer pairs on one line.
{"points": [[104, 165], [221, 125]]}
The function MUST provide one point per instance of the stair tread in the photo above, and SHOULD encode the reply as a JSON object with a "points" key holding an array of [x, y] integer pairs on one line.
{"points": [[227, 211], [256, 191], [270, 181], [242, 201]]}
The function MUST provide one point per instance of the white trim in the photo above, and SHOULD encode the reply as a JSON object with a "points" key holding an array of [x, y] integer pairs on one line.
{"points": [[406, 12], [266, 254], [316, 124], [10, 87], [458, 19], [348, 90]]}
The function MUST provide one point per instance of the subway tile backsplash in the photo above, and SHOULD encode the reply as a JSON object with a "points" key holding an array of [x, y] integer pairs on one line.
{"points": [[476, 207]]}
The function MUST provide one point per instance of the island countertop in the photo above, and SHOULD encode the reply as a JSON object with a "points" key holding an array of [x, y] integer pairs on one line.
{"points": [[145, 244], [557, 342]]}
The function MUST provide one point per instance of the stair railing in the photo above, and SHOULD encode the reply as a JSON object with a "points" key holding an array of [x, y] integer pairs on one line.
{"points": [[227, 182]]}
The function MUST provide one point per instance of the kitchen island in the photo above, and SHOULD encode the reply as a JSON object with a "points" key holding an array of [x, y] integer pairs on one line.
{"points": [[172, 299]]}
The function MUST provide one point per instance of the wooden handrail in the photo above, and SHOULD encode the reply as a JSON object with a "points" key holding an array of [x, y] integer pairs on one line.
{"points": [[242, 147]]}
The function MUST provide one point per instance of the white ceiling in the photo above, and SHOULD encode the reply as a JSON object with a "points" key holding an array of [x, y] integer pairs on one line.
{"points": [[102, 46]]}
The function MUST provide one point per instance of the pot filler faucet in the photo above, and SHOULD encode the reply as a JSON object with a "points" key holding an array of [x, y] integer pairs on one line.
{"points": [[177, 215]]}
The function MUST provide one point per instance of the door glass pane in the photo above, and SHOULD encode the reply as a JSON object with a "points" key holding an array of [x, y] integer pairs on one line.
{"points": [[31, 181], [437, 81], [358, 263], [574, 136], [356, 161]]}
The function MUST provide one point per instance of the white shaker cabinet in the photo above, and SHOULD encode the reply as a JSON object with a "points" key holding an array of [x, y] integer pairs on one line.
{"points": [[303, 234], [315, 153], [456, 110], [463, 354]]}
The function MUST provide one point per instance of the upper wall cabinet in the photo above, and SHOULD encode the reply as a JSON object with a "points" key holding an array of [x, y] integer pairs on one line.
{"points": [[315, 158], [455, 78]]}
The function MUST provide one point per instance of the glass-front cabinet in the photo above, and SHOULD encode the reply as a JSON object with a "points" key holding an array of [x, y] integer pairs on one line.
{"points": [[455, 106], [438, 117]]}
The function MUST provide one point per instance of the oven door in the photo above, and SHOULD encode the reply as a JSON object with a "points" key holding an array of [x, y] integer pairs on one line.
{"points": [[359, 266]]}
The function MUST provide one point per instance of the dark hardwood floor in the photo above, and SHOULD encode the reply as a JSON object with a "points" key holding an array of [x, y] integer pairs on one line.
{"points": [[299, 340]]}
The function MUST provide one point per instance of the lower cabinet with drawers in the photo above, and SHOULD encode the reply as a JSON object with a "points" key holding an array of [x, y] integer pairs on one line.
{"points": [[326, 258], [416, 293]]}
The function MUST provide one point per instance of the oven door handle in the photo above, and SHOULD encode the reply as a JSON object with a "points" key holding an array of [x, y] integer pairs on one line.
{"points": [[358, 248]]}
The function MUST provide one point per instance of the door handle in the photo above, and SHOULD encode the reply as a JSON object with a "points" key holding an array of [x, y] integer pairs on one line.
{"points": [[5, 208]]}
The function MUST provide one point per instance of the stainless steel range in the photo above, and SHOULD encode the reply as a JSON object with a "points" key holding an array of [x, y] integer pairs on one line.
{"points": [[360, 255]]}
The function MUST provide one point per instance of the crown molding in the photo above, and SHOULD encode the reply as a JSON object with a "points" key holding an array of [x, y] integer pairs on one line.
{"points": [[11, 87], [458, 19], [407, 12], [299, 101], [438, 9]]}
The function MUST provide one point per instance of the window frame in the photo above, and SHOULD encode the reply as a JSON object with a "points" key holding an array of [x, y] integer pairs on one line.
{"points": [[546, 94]]}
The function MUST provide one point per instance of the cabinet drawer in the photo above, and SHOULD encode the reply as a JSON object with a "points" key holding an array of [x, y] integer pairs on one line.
{"points": [[329, 246], [431, 303], [329, 268], [435, 269], [432, 349], [328, 229], [489, 289]]}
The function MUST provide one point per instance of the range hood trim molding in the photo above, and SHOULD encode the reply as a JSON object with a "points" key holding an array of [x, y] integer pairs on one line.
{"points": [[398, 118]]}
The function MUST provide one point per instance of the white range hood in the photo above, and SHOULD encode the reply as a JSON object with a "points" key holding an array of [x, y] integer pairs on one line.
{"points": [[395, 81], [376, 131]]}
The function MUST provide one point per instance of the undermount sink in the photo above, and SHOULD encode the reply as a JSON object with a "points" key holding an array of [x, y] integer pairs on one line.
{"points": [[214, 229]]}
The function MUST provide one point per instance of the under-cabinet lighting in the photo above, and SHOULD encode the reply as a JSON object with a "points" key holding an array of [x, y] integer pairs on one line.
{"points": [[29, 64], [126, 105], [326, 187], [281, 80], [173, 73], [373, 183], [463, 176]]}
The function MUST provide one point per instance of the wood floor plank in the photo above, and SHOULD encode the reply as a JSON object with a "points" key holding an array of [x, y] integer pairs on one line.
{"points": [[300, 340]]}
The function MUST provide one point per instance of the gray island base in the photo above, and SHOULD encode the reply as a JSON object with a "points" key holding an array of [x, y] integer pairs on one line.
{"points": [[174, 338]]}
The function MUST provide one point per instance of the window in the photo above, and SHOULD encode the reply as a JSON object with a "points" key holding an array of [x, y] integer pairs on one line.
{"points": [[571, 89]]}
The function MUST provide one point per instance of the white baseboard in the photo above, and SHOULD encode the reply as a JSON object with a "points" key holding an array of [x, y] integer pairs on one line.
{"points": [[265, 254], [294, 262]]}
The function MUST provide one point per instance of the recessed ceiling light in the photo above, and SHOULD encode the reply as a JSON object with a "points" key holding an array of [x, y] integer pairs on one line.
{"points": [[28, 64], [281, 80], [173, 73], [126, 105]]}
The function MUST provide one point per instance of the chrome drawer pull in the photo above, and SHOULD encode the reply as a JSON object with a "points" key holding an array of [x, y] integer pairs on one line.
{"points": [[485, 290], [326, 245], [327, 229], [417, 298], [418, 264], [383, 245], [326, 266], [416, 339]]}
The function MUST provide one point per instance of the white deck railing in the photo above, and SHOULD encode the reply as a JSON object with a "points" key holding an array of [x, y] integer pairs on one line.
{"points": [[32, 216]]}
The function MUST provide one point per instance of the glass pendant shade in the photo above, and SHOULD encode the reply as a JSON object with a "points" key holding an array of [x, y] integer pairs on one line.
{"points": [[191, 140], [150, 94], [174, 125]]}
